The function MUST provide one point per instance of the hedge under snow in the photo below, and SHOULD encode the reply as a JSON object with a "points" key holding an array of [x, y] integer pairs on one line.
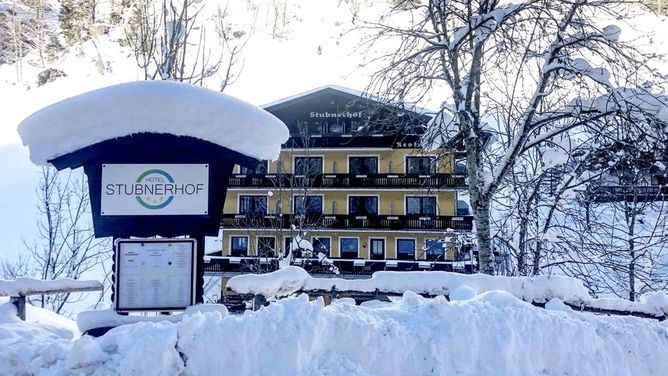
{"points": [[538, 289], [152, 107]]}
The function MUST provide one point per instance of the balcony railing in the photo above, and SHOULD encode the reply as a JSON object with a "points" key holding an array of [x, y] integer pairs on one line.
{"points": [[329, 221], [348, 268], [434, 181], [630, 193], [332, 140]]}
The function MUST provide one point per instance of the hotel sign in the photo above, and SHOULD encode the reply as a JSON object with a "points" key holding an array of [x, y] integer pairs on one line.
{"points": [[342, 114], [154, 189]]}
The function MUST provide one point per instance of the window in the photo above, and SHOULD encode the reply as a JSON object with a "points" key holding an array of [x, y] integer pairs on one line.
{"points": [[349, 247], [460, 166], [363, 165], [362, 205], [239, 246], [266, 246], [377, 249], [252, 205], [307, 128], [337, 128], [308, 205], [321, 245], [462, 208], [260, 169], [421, 205], [421, 165], [298, 246], [308, 165], [434, 249], [406, 249]]}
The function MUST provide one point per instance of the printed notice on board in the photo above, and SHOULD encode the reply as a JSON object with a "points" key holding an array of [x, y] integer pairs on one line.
{"points": [[155, 274]]}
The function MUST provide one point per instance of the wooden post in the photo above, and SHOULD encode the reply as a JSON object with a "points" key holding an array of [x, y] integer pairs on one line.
{"points": [[20, 303], [258, 301], [199, 278]]}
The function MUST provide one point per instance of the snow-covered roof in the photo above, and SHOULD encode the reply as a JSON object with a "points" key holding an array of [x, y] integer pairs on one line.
{"points": [[163, 107], [350, 92]]}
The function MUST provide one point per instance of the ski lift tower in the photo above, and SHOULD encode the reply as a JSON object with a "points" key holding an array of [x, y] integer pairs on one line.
{"points": [[157, 155]]}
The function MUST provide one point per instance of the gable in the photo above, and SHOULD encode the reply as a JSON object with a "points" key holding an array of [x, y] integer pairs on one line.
{"points": [[331, 111]]}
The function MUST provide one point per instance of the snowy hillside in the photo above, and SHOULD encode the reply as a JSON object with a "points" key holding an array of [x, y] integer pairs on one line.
{"points": [[493, 333]]}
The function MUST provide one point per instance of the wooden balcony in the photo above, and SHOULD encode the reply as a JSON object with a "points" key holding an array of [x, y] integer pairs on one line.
{"points": [[629, 193], [434, 181], [333, 222], [348, 268], [353, 140]]}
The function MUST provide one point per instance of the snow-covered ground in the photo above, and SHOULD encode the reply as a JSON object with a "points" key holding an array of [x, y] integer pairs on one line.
{"points": [[492, 333]]}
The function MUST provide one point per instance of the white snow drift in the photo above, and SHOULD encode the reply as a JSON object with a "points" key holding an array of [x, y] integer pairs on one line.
{"points": [[286, 281], [492, 333], [152, 107]]}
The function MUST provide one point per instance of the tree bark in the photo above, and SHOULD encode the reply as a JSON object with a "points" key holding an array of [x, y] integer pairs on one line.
{"points": [[485, 254]]}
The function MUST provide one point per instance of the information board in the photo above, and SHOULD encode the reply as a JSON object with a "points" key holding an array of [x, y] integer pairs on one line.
{"points": [[155, 274], [155, 189]]}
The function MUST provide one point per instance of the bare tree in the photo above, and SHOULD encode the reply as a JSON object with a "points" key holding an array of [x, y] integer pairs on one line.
{"points": [[173, 40], [65, 245], [616, 237], [525, 67]]}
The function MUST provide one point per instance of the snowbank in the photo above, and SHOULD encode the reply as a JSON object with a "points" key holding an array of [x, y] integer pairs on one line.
{"points": [[152, 107], [493, 333], [653, 303], [109, 318], [36, 317], [28, 286], [286, 281]]}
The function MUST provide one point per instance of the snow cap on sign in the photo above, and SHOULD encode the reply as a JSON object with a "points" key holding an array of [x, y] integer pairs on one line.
{"points": [[164, 107]]}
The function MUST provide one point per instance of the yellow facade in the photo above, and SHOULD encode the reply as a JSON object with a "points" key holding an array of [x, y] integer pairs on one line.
{"points": [[336, 201], [335, 161], [364, 237], [391, 201]]}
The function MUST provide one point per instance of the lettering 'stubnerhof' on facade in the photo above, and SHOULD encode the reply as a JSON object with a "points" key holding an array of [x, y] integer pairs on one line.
{"points": [[354, 181]]}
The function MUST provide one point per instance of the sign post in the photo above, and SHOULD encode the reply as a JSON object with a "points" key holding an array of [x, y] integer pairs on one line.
{"points": [[157, 156]]}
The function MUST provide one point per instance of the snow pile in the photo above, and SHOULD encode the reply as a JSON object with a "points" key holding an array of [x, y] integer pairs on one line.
{"points": [[289, 280], [152, 107], [653, 303], [29, 286], [109, 318], [44, 336], [283, 282], [491, 334]]}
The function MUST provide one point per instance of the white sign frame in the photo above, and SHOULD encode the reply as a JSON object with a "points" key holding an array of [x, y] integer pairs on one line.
{"points": [[144, 280], [154, 189]]}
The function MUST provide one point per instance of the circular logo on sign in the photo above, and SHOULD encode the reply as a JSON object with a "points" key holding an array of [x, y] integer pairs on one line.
{"points": [[156, 199]]}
